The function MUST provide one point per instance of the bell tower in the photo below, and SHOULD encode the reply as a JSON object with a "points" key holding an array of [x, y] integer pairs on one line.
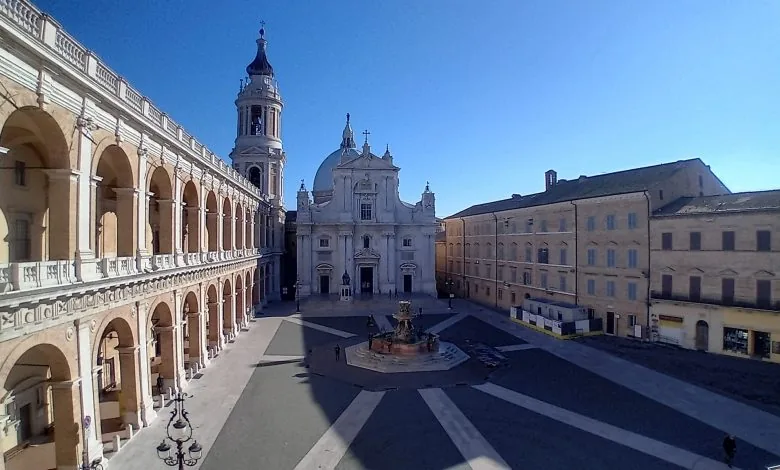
{"points": [[258, 152]]}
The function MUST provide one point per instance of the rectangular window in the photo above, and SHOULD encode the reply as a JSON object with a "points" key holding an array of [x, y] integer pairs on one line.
{"points": [[22, 244], [562, 284], [365, 211], [591, 224], [529, 226], [527, 278], [632, 220], [763, 240], [591, 256], [611, 258], [512, 297], [543, 256], [489, 269], [729, 241], [633, 258], [544, 280], [631, 320], [514, 274], [666, 241], [666, 285], [694, 288], [764, 293], [500, 273], [632, 291], [324, 242], [528, 255], [407, 242], [487, 290], [695, 241], [20, 173], [562, 225], [610, 288], [611, 222], [500, 294], [727, 290], [591, 287], [563, 256], [543, 227]]}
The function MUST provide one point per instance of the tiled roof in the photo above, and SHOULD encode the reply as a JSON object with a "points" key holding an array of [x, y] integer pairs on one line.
{"points": [[724, 203], [620, 182]]}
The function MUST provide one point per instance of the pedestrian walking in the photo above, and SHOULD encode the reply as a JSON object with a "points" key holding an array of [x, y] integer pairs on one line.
{"points": [[370, 340], [730, 448], [337, 350], [159, 384]]}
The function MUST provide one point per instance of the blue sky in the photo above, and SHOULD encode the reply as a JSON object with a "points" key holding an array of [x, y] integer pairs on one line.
{"points": [[480, 98]]}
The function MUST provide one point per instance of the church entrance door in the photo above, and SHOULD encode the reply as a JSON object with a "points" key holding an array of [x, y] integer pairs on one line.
{"points": [[324, 284], [407, 282], [366, 279]]}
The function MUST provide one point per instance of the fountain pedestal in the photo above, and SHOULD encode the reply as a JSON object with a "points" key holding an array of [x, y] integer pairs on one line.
{"points": [[405, 340]]}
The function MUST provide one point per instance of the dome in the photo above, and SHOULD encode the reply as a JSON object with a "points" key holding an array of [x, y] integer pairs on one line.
{"points": [[261, 65], [323, 180]]}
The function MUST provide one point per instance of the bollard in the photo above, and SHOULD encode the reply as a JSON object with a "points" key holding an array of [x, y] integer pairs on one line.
{"points": [[168, 394], [130, 431], [117, 443]]}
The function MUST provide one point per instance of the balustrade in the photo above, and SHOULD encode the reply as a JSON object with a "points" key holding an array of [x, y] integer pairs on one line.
{"points": [[121, 266], [42, 274]]}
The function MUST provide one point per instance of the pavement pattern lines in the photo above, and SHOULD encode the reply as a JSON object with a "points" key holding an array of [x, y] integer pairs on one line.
{"points": [[333, 444]]}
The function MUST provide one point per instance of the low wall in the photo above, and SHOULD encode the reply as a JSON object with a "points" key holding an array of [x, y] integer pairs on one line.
{"points": [[556, 328]]}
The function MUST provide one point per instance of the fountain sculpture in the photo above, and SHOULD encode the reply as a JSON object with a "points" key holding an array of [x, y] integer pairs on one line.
{"points": [[405, 339]]}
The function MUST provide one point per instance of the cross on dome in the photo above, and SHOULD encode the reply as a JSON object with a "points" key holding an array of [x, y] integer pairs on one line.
{"points": [[366, 133]]}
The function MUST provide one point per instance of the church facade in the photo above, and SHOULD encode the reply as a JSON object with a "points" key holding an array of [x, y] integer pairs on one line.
{"points": [[354, 229]]}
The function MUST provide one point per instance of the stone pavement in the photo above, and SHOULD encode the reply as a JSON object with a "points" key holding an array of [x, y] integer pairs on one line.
{"points": [[280, 416], [757, 427]]}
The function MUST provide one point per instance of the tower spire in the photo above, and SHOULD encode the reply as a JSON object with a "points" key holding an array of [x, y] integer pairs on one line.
{"points": [[261, 65], [347, 137]]}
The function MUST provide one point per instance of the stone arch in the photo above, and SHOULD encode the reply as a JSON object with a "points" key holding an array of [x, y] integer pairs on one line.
{"points": [[163, 353], [227, 225], [255, 176], [212, 319], [191, 328], [160, 225], [239, 299], [212, 219], [35, 370], [190, 218], [38, 198], [114, 353], [113, 225], [227, 306], [239, 226]]}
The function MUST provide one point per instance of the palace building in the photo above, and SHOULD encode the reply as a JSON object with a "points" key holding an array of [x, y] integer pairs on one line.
{"points": [[130, 253]]}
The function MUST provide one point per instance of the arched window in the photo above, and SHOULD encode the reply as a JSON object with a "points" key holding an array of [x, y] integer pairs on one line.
{"points": [[366, 241], [255, 177]]}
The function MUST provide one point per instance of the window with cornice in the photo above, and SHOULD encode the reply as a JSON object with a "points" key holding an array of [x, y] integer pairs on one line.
{"points": [[324, 242], [365, 211]]}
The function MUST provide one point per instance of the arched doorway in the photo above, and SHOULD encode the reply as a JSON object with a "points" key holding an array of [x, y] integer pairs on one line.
{"points": [[239, 227], [212, 219], [160, 229], [114, 222], [45, 427], [190, 217], [191, 332], [256, 177], [240, 312], [228, 325], [213, 325], [38, 195], [162, 368], [702, 335], [227, 226], [250, 311], [117, 384]]}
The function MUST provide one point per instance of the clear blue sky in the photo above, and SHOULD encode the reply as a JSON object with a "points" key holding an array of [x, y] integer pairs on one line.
{"points": [[478, 97]]}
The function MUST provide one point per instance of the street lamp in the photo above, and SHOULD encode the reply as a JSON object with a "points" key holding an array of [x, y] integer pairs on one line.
{"points": [[450, 295], [179, 431], [298, 296]]}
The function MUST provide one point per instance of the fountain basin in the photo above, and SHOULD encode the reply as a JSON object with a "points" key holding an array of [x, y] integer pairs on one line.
{"points": [[385, 344], [445, 358]]}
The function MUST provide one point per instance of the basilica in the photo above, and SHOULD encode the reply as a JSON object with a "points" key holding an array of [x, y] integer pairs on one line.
{"points": [[354, 230]]}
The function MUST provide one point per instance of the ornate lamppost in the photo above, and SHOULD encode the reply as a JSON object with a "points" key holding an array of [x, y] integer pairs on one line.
{"points": [[179, 431], [85, 463], [298, 296], [450, 295]]}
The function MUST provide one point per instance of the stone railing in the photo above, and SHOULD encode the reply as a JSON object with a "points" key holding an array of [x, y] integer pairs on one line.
{"points": [[37, 274], [36, 25]]}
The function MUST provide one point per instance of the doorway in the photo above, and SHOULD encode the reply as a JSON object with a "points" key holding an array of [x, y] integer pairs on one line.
{"points": [[407, 283], [366, 280], [610, 323], [25, 423], [324, 284], [702, 335]]}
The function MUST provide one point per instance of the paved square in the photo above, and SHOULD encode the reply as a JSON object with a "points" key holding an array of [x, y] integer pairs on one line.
{"points": [[552, 405]]}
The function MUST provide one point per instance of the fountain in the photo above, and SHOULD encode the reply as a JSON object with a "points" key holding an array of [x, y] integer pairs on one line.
{"points": [[405, 339]]}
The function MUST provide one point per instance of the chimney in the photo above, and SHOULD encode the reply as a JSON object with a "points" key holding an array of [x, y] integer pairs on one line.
{"points": [[550, 179]]}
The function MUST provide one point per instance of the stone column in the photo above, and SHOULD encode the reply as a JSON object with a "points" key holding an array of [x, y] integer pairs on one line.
{"points": [[83, 194], [147, 413], [129, 370], [67, 415], [125, 226], [88, 400], [391, 262], [349, 250], [216, 325], [228, 315], [94, 210], [252, 231], [220, 230], [197, 338], [62, 237], [202, 242], [178, 219], [142, 208], [178, 342]]}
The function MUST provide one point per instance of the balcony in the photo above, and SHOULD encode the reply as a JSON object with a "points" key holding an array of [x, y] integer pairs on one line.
{"points": [[41, 274], [773, 307]]}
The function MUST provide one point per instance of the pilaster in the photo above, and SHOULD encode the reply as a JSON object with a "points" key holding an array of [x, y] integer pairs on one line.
{"points": [[178, 342], [146, 410], [89, 403], [143, 206], [178, 227]]}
